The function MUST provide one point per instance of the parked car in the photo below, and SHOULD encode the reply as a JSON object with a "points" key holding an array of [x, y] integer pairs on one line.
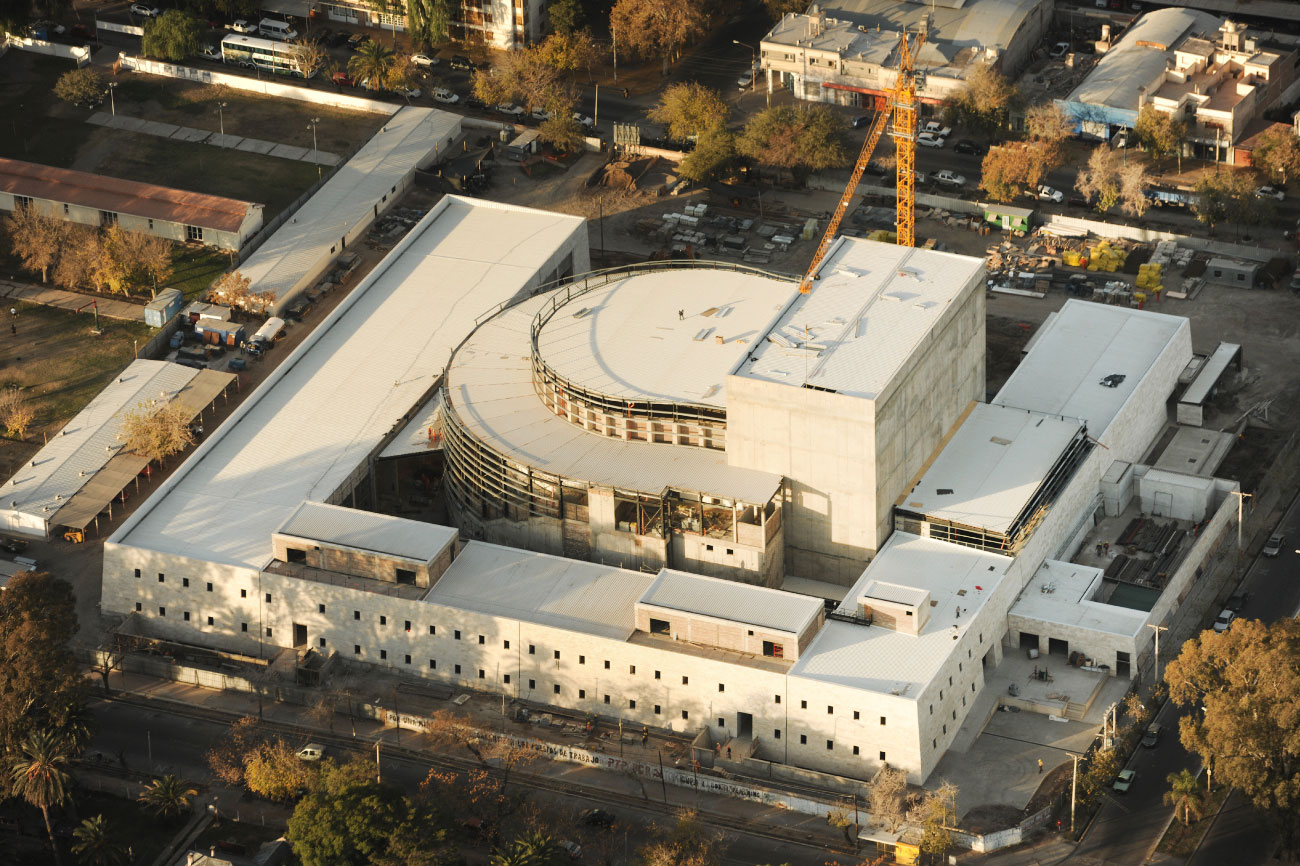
{"points": [[12, 545], [342, 79], [321, 35], [934, 127], [235, 364], [408, 92], [1047, 193], [573, 849], [949, 178], [1270, 192], [1273, 546], [1079, 201], [875, 168], [1295, 282], [1124, 781], [965, 145], [929, 139], [596, 818], [242, 26], [424, 60], [584, 120], [461, 62], [862, 121], [211, 52], [311, 752], [338, 38], [1059, 50], [1151, 737], [475, 102], [442, 94], [1237, 601], [540, 114], [145, 10], [356, 40], [509, 108], [1223, 620]]}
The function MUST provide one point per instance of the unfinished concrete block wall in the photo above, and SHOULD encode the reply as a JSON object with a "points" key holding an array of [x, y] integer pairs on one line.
{"points": [[347, 560]]}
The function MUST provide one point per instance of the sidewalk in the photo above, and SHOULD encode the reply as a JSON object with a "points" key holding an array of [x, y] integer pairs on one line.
{"points": [[204, 136], [70, 301]]}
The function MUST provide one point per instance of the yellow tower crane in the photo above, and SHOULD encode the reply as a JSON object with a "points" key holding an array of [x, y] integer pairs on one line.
{"points": [[901, 107]]}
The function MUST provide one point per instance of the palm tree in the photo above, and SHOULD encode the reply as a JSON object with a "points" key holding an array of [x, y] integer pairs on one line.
{"points": [[37, 775], [167, 796], [371, 64], [78, 725], [535, 849], [1184, 793], [94, 845]]}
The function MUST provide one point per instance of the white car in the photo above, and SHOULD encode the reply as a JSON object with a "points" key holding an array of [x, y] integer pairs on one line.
{"points": [[1047, 193], [584, 120], [1270, 192], [934, 127], [442, 94], [424, 60], [242, 26], [540, 114], [145, 10], [1059, 50], [1223, 620], [743, 82], [408, 92], [949, 178], [510, 109], [929, 139]]}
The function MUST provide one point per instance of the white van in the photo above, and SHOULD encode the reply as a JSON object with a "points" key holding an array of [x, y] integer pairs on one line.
{"points": [[273, 28]]}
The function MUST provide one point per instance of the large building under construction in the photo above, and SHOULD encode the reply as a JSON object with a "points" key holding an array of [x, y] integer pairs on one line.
{"points": [[683, 495]]}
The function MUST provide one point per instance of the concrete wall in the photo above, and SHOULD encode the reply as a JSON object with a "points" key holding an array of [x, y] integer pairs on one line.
{"points": [[1172, 494], [711, 631], [360, 563], [78, 54]]}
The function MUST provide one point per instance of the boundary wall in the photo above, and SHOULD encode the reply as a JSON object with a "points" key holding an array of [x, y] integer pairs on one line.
{"points": [[79, 54]]}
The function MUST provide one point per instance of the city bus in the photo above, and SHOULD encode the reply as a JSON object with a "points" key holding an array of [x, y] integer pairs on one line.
{"points": [[252, 52]]}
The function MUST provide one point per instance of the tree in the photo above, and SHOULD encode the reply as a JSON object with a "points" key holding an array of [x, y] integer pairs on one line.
{"points": [[1010, 170], [566, 16], [1184, 795], [778, 9], [227, 758], [156, 431], [1229, 195], [889, 796], [168, 797], [714, 151], [307, 58], [95, 845], [1277, 152], [174, 35], [36, 239], [569, 52], [1100, 178], [525, 76], [16, 414], [82, 260], [136, 260], [688, 109], [371, 65], [274, 771], [37, 775], [985, 103], [348, 819], [41, 683], [686, 843], [78, 86], [1248, 681], [427, 21], [562, 132], [1097, 775], [657, 28], [534, 849], [1133, 181], [1160, 133], [938, 813], [797, 138]]}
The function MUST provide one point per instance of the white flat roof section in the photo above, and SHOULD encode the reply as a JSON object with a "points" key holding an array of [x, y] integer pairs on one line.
{"points": [[1062, 593], [889, 662], [538, 588], [491, 391], [991, 467], [348, 198], [302, 434], [1210, 373], [368, 531], [631, 343], [731, 601], [1084, 344], [863, 320], [66, 463], [421, 433]]}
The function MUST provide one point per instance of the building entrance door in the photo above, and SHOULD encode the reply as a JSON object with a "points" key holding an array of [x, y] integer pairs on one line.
{"points": [[744, 726]]}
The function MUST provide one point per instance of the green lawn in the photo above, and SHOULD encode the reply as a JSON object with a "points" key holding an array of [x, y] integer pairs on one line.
{"points": [[195, 268]]}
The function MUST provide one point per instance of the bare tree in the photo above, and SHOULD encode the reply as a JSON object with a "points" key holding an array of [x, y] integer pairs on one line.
{"points": [[83, 261], [156, 431], [307, 58], [16, 413], [231, 289], [888, 796], [651, 28], [36, 239]]}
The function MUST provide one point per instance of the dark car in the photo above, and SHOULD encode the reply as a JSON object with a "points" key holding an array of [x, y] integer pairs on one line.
{"points": [[356, 40], [1151, 737], [597, 818], [1077, 201], [461, 62], [862, 121], [342, 79], [321, 35], [1237, 601], [12, 545], [472, 102], [338, 38], [965, 145], [876, 169]]}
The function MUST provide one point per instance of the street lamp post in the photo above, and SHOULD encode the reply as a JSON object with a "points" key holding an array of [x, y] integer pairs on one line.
{"points": [[753, 69], [221, 118], [315, 156], [112, 101], [1157, 629]]}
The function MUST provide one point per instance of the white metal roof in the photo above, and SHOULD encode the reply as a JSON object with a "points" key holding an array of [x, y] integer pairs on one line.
{"points": [[303, 433], [873, 306], [348, 198], [492, 393], [988, 471], [421, 433], [538, 588], [630, 341], [1085, 343], [892, 592], [366, 530], [1209, 374], [732, 601], [882, 660], [86, 443], [1064, 593]]}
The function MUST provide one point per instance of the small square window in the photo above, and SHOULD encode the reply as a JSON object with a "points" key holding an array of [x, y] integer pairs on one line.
{"points": [[631, 704], [162, 578], [320, 608], [383, 654], [211, 622], [456, 669], [481, 640], [830, 745], [482, 674], [777, 698], [722, 723], [243, 627], [322, 640], [776, 733], [631, 669], [407, 625], [456, 634], [803, 705], [433, 629], [506, 678], [185, 581], [686, 681], [268, 631], [383, 620], [582, 660], [882, 756], [532, 649], [803, 739], [722, 687], [582, 693], [162, 611], [268, 598], [505, 644], [556, 688], [356, 649], [186, 616], [356, 614], [656, 674], [830, 711], [855, 750], [243, 593], [209, 587], [137, 572], [433, 664], [138, 606], [606, 664], [407, 658], [685, 714], [656, 709], [606, 698], [557, 655]]}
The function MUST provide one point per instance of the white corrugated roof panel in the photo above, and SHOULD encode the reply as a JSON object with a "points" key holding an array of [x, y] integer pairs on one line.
{"points": [[423, 433], [543, 589], [991, 467], [732, 601], [303, 433], [68, 461], [348, 198], [863, 320], [1085, 343], [491, 391], [889, 662], [366, 530], [631, 342]]}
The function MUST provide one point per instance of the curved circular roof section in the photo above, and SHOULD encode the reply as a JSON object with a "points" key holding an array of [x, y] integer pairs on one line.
{"points": [[668, 335]]}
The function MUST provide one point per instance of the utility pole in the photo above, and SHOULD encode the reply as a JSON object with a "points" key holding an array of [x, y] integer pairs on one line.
{"points": [[378, 769], [1074, 786], [1157, 629], [614, 36], [1241, 497]]}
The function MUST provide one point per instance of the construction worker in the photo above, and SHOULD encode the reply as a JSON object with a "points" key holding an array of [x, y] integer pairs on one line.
{"points": [[645, 734], [1040, 766]]}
